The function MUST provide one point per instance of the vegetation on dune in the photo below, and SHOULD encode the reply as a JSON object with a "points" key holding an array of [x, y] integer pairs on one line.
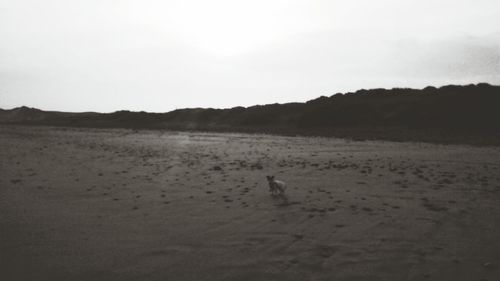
{"points": [[471, 108]]}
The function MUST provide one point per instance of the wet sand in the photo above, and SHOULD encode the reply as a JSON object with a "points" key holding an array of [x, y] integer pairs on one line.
{"points": [[89, 204]]}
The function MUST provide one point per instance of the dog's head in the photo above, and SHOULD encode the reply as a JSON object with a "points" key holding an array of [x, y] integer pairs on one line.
{"points": [[270, 178]]}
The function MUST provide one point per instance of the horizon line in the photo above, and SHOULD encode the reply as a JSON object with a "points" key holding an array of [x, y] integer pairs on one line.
{"points": [[276, 103]]}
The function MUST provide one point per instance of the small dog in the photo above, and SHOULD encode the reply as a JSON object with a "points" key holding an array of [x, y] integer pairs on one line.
{"points": [[276, 186]]}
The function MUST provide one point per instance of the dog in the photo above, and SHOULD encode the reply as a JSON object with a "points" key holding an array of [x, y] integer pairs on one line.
{"points": [[276, 186]]}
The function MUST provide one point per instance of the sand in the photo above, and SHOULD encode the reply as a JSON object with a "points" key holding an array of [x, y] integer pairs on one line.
{"points": [[89, 204]]}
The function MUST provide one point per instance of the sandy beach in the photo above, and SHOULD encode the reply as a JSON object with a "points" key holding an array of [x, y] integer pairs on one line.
{"points": [[116, 204]]}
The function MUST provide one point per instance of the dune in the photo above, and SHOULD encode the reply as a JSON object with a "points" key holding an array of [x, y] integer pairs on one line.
{"points": [[450, 114]]}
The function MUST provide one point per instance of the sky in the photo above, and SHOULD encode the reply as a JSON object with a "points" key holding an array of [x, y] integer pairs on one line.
{"points": [[160, 55]]}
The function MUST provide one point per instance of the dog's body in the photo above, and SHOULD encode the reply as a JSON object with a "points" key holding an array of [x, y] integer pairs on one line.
{"points": [[276, 186]]}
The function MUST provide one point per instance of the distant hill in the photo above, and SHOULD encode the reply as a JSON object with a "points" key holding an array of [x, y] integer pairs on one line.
{"points": [[449, 111]]}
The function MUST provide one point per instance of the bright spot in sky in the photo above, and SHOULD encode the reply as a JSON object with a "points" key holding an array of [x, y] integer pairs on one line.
{"points": [[225, 27]]}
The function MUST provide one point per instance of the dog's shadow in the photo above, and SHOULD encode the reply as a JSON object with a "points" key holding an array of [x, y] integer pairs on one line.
{"points": [[282, 199]]}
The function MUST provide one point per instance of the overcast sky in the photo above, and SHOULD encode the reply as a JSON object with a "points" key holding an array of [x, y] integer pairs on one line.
{"points": [[159, 55]]}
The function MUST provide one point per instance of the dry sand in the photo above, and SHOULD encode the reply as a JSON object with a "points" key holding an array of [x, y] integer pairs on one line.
{"points": [[85, 204]]}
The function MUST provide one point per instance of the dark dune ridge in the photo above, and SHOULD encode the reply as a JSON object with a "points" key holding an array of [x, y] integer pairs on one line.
{"points": [[457, 114]]}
